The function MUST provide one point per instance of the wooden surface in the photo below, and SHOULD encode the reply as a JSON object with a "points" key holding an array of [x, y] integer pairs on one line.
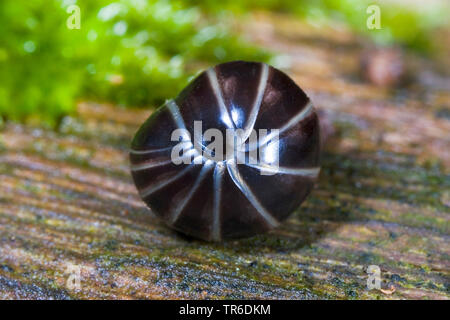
{"points": [[67, 201]]}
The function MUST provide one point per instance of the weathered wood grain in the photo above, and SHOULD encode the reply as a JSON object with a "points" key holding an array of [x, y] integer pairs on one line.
{"points": [[383, 198]]}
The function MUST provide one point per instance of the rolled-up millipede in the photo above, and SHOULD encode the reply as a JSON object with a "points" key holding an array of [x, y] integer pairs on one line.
{"points": [[243, 184]]}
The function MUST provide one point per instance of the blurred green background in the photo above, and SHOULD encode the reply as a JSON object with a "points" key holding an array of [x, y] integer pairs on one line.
{"points": [[140, 52]]}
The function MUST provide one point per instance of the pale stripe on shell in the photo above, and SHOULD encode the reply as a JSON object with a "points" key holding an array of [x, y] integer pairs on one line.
{"points": [[165, 149], [176, 114], [218, 177], [304, 172], [245, 189], [152, 188], [225, 115], [250, 124], [230, 165], [305, 112], [180, 206], [153, 164]]}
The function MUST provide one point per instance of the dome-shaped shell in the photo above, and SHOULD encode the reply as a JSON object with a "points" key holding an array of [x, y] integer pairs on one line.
{"points": [[238, 186]]}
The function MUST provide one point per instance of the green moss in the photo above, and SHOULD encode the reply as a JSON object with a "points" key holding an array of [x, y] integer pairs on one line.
{"points": [[399, 24], [142, 52], [127, 52]]}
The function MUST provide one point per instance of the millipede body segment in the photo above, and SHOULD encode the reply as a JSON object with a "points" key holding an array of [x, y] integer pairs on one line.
{"points": [[233, 155]]}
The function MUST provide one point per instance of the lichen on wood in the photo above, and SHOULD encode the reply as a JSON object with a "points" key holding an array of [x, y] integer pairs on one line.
{"points": [[67, 203]]}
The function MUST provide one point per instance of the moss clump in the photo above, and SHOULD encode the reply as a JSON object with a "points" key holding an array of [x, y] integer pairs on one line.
{"points": [[127, 52]]}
